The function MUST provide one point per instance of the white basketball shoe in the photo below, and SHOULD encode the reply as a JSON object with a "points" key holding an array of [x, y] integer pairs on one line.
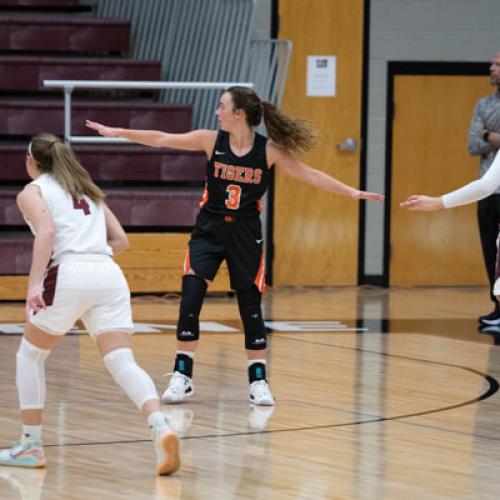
{"points": [[179, 388], [260, 394]]}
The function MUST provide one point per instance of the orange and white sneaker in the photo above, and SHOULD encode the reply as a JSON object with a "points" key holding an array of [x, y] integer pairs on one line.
{"points": [[27, 452], [167, 449]]}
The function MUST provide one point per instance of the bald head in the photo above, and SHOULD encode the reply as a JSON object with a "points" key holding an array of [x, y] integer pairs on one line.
{"points": [[495, 70]]}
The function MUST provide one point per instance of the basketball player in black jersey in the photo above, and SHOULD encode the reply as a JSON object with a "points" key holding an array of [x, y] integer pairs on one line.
{"points": [[228, 225]]}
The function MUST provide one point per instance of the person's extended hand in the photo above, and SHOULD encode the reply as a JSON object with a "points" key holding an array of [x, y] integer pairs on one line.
{"points": [[34, 299], [423, 203], [366, 195], [102, 129]]}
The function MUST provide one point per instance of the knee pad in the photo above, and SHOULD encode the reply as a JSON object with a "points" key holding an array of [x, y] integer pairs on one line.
{"points": [[30, 375], [251, 316], [193, 293], [136, 383]]}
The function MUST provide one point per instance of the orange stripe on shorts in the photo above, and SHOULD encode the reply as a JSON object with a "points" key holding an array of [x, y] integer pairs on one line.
{"points": [[187, 262], [260, 280]]}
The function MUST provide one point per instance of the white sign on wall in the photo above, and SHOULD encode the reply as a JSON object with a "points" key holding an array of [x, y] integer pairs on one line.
{"points": [[321, 76]]}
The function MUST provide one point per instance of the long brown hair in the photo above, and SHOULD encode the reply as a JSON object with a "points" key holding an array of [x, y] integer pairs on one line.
{"points": [[54, 157], [294, 134]]}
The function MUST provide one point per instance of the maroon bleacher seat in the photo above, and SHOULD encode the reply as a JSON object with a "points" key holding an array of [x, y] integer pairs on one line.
{"points": [[117, 163], [155, 207], [9, 213], [134, 207], [135, 163], [28, 117], [15, 249], [40, 3], [63, 33], [26, 73]]}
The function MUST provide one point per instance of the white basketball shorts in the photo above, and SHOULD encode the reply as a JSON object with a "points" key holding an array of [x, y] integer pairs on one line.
{"points": [[87, 287]]}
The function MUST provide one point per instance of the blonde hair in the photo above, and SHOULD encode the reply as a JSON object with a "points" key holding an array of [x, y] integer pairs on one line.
{"points": [[54, 157], [294, 134]]}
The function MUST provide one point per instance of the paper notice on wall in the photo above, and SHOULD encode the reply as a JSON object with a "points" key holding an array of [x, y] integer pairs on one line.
{"points": [[321, 76]]}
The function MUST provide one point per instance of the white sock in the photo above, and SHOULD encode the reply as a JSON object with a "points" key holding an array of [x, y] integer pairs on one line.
{"points": [[32, 431], [187, 353], [130, 376], [252, 361]]}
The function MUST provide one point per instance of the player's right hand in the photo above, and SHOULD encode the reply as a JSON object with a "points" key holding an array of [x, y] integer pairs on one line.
{"points": [[102, 129]]}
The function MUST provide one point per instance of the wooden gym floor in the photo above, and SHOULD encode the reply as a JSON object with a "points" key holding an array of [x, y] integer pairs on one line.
{"points": [[381, 394]]}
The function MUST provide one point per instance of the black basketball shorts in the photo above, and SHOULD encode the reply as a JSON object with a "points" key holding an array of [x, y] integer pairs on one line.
{"points": [[238, 241]]}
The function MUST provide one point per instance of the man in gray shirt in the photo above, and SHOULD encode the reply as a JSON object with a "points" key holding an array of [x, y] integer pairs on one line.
{"points": [[484, 140]]}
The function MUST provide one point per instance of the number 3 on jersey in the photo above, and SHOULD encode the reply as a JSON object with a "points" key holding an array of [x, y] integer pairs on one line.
{"points": [[233, 196]]}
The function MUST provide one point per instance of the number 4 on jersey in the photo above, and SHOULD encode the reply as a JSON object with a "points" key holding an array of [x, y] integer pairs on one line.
{"points": [[233, 197], [81, 205]]}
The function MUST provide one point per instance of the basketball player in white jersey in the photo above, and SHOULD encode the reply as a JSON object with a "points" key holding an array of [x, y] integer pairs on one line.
{"points": [[73, 276]]}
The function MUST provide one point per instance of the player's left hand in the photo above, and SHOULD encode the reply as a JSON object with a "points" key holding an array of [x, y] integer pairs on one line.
{"points": [[423, 203], [367, 195]]}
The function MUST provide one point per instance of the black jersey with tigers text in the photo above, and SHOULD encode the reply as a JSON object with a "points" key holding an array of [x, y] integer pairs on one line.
{"points": [[236, 184]]}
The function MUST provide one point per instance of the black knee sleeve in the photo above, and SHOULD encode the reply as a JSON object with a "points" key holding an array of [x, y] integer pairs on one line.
{"points": [[251, 315], [193, 293]]}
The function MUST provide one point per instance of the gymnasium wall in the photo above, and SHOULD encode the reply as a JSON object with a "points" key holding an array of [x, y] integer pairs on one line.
{"points": [[416, 30]]}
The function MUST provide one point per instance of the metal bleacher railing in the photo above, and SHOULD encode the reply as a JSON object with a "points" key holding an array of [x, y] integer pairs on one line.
{"points": [[68, 86], [267, 68]]}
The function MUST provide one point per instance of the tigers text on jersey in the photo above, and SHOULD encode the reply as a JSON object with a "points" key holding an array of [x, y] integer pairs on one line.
{"points": [[80, 224], [236, 184]]}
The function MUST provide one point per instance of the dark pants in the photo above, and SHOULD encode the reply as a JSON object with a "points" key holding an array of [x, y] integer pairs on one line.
{"points": [[488, 216]]}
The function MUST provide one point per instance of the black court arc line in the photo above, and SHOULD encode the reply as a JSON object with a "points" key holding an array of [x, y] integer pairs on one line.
{"points": [[493, 387]]}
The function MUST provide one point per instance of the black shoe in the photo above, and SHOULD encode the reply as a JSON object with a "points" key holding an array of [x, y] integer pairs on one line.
{"points": [[491, 319]]}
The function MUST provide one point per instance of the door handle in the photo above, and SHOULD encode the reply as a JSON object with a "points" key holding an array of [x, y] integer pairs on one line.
{"points": [[350, 145]]}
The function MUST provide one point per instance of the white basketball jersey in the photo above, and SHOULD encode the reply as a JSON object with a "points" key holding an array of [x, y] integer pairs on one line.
{"points": [[80, 224]]}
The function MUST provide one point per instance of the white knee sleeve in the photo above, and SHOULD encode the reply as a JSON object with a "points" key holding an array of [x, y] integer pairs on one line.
{"points": [[30, 375], [130, 376]]}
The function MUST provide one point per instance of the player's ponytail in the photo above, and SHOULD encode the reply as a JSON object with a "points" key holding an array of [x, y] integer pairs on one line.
{"points": [[294, 134], [53, 156]]}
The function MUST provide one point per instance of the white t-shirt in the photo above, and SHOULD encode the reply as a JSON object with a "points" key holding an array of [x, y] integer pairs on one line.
{"points": [[80, 224], [477, 190]]}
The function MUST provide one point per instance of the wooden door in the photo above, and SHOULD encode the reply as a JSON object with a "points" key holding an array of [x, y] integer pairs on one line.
{"points": [[429, 156], [316, 232]]}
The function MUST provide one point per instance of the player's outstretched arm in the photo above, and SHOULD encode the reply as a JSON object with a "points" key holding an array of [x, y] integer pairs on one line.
{"points": [[470, 193], [292, 166], [197, 140]]}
